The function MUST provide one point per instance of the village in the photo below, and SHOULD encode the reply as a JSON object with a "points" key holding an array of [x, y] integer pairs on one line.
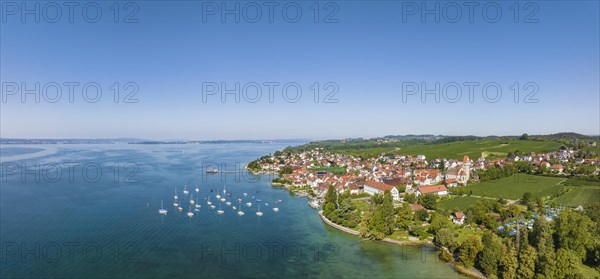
{"points": [[406, 174]]}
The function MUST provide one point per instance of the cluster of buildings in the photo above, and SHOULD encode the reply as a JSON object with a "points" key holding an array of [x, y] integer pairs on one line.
{"points": [[412, 174]]}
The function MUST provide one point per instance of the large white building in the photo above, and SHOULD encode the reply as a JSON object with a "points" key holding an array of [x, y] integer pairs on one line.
{"points": [[373, 187]]}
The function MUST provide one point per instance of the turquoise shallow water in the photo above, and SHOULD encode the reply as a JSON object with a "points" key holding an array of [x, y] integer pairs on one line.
{"points": [[74, 224]]}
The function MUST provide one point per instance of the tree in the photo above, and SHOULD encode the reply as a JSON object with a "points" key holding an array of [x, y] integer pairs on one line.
{"points": [[541, 239], [491, 254], [573, 231], [527, 256], [382, 222], [428, 201], [444, 238], [469, 250], [566, 263], [410, 198], [527, 198], [422, 214], [509, 264], [513, 210], [524, 137], [330, 201], [404, 216], [439, 222]]}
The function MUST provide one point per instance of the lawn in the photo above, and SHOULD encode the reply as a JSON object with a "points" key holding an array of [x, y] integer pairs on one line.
{"points": [[461, 203], [478, 148], [513, 187], [491, 148], [579, 195]]}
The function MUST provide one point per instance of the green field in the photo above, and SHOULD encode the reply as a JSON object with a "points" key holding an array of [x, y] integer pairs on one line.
{"points": [[478, 148], [461, 203], [494, 148], [513, 187], [579, 195]]}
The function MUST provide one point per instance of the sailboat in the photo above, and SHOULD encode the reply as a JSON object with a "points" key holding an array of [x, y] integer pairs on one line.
{"points": [[276, 209], [208, 201], [197, 189], [228, 203], [185, 191], [162, 209], [175, 202], [245, 194], [175, 196], [197, 205], [192, 201], [240, 212], [248, 204], [190, 213], [259, 213], [257, 199], [220, 211]]}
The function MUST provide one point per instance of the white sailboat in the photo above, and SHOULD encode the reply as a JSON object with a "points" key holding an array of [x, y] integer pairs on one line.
{"points": [[192, 201], [197, 205], [208, 201], [197, 189], [248, 204], [259, 213], [185, 191], [240, 212], [220, 211], [228, 203], [190, 213], [276, 209], [162, 209], [245, 194], [222, 199], [175, 196]]}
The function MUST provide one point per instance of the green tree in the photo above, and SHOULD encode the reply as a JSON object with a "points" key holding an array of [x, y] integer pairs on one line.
{"points": [[574, 231], [444, 238], [491, 254], [541, 239], [410, 198], [382, 222], [404, 216], [567, 263], [422, 214], [428, 201], [509, 264], [527, 256], [469, 250], [438, 222]]}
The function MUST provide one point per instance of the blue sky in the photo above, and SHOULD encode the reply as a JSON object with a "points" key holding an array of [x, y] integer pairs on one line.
{"points": [[369, 54]]}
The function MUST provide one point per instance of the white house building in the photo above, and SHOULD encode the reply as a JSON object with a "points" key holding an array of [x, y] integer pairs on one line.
{"points": [[373, 187]]}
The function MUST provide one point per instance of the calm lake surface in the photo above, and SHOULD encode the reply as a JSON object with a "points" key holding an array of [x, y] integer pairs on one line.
{"points": [[61, 218]]}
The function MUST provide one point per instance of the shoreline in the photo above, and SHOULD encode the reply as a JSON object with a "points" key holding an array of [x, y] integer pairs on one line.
{"points": [[457, 268]]}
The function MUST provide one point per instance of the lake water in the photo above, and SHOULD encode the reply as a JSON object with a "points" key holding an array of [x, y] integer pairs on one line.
{"points": [[92, 211]]}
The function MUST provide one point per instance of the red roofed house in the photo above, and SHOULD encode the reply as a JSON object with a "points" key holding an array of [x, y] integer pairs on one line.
{"points": [[440, 190], [458, 218], [373, 187]]}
